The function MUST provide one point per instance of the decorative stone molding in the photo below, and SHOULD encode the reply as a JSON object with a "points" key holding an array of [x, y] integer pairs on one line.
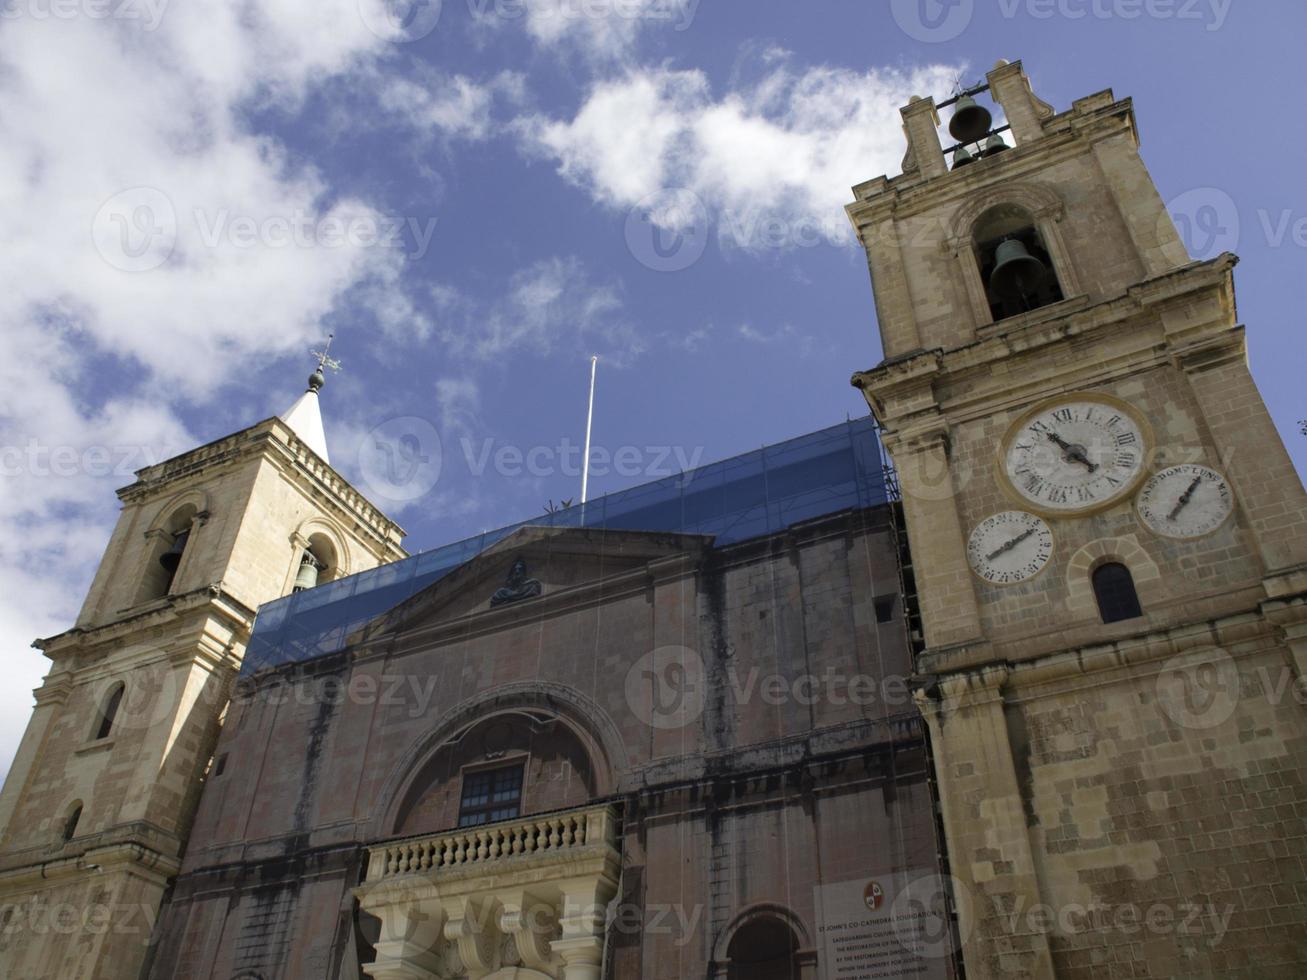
{"points": [[525, 897]]}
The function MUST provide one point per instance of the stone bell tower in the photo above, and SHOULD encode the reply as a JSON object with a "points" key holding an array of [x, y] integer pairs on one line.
{"points": [[98, 805], [1109, 542]]}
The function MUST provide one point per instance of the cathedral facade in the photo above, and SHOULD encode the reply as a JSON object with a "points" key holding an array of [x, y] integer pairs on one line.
{"points": [[1030, 708]]}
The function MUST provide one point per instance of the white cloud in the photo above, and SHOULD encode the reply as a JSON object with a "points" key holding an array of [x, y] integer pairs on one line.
{"points": [[551, 304], [788, 146], [125, 143], [599, 29]]}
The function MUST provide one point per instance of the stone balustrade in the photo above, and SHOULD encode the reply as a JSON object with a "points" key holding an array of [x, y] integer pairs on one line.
{"points": [[536, 835]]}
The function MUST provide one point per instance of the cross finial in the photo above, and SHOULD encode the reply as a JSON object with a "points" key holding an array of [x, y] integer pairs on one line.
{"points": [[317, 379]]}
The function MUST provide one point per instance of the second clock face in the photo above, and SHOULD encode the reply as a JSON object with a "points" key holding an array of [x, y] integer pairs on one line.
{"points": [[1075, 455], [1009, 547], [1186, 501]]}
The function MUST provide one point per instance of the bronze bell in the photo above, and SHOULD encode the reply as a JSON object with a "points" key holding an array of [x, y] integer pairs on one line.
{"points": [[307, 576], [970, 121], [1016, 271], [171, 558], [962, 156], [994, 145]]}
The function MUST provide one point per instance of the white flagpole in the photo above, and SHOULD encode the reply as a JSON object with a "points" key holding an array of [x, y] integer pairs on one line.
{"points": [[589, 422]]}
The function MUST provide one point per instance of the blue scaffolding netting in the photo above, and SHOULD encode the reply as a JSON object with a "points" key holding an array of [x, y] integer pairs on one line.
{"points": [[747, 496]]}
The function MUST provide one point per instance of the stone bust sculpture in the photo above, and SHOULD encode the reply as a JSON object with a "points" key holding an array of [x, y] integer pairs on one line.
{"points": [[517, 587]]}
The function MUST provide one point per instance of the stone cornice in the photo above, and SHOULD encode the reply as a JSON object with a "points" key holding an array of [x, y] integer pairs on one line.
{"points": [[1183, 316], [272, 439], [207, 601], [138, 848], [1068, 653]]}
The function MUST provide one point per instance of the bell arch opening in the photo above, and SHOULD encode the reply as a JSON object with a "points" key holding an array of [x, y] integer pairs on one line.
{"points": [[319, 563], [1016, 267], [169, 540]]}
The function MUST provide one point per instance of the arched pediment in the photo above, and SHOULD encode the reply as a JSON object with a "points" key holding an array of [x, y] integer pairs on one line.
{"points": [[1037, 198], [538, 703]]}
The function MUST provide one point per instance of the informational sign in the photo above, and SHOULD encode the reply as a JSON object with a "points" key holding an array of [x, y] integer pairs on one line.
{"points": [[886, 926]]}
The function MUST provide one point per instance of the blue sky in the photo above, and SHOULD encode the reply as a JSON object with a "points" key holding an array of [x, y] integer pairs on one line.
{"points": [[474, 199]]}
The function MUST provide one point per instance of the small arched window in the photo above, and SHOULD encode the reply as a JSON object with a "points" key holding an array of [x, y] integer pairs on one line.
{"points": [[69, 829], [1114, 588], [109, 710], [764, 949], [1015, 265]]}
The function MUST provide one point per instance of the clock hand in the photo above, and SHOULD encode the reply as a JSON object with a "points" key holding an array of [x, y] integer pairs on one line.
{"points": [[1009, 546], [1074, 454], [1185, 497]]}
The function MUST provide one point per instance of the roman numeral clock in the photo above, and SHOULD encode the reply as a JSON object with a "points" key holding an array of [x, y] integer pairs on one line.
{"points": [[1076, 455]]}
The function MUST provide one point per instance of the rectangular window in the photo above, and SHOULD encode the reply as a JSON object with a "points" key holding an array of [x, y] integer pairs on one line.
{"points": [[490, 795]]}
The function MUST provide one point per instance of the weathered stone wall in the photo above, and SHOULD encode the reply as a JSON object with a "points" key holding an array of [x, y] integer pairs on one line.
{"points": [[763, 779]]}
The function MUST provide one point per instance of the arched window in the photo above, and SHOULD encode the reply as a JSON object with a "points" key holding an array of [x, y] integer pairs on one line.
{"points": [[764, 948], [170, 541], [71, 821], [318, 564], [1015, 265], [109, 710], [1114, 588]]}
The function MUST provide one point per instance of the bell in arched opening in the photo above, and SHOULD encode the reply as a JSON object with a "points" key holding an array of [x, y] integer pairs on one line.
{"points": [[309, 570], [172, 558], [1016, 271], [970, 121], [962, 157]]}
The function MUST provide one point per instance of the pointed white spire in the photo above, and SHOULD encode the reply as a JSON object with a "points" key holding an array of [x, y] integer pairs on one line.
{"points": [[305, 416]]}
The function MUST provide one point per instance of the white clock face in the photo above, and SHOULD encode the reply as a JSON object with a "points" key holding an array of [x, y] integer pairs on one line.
{"points": [[1010, 547], [1186, 501], [1075, 455]]}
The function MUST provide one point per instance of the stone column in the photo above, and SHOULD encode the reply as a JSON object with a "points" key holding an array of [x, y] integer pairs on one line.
{"points": [[921, 126]]}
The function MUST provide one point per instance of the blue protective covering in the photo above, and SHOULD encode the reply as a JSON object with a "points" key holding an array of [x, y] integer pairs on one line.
{"points": [[744, 497]]}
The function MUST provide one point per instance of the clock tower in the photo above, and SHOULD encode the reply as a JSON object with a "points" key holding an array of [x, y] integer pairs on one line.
{"points": [[1110, 550]]}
